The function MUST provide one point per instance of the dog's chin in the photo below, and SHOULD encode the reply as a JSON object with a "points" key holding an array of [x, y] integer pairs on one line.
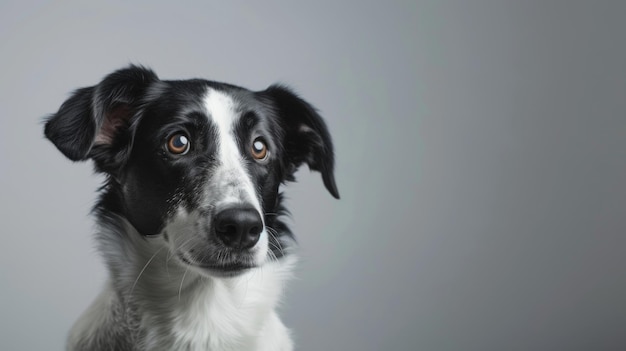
{"points": [[230, 271], [218, 269]]}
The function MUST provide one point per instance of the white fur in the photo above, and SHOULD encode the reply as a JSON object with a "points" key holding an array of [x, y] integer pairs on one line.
{"points": [[234, 314]]}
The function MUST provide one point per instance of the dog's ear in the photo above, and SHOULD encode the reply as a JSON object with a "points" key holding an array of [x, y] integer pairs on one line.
{"points": [[93, 116], [306, 137]]}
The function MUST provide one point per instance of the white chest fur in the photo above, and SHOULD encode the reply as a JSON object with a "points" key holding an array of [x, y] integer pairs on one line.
{"points": [[230, 314], [210, 314]]}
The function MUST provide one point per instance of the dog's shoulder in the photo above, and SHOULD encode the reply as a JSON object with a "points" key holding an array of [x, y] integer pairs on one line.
{"points": [[105, 325]]}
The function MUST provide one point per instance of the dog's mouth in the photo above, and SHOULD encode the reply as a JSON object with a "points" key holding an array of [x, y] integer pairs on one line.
{"points": [[220, 269]]}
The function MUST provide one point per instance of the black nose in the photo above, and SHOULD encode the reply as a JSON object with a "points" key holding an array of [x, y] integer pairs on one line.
{"points": [[238, 227]]}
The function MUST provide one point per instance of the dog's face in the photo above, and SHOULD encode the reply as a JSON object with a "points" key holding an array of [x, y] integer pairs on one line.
{"points": [[194, 162]]}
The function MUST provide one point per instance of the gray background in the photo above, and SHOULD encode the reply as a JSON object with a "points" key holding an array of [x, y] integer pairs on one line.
{"points": [[481, 159]]}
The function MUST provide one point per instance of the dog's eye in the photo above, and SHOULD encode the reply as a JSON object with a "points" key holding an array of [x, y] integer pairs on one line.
{"points": [[259, 149], [178, 144]]}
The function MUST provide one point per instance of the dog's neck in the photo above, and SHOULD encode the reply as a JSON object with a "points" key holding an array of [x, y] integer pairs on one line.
{"points": [[175, 307]]}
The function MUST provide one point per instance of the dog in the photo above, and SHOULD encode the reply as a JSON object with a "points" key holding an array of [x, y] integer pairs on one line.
{"points": [[191, 220]]}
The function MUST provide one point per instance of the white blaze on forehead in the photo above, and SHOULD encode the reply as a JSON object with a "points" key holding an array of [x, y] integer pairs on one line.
{"points": [[231, 174], [221, 108]]}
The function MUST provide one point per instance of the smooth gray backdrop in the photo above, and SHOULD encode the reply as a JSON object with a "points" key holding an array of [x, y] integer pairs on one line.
{"points": [[481, 159]]}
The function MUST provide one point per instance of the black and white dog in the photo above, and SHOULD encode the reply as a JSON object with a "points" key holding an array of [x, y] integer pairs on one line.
{"points": [[190, 213]]}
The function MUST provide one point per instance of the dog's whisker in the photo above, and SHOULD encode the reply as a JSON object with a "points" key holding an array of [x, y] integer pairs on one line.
{"points": [[274, 235], [168, 256], [142, 270], [271, 252], [180, 289], [272, 255]]}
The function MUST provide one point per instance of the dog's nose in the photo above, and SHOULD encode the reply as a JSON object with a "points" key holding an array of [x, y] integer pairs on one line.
{"points": [[238, 227]]}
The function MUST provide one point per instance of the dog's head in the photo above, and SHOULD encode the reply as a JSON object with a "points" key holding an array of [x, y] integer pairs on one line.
{"points": [[196, 162]]}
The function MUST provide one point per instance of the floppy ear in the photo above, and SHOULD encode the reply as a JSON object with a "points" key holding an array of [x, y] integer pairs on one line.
{"points": [[306, 137], [95, 115]]}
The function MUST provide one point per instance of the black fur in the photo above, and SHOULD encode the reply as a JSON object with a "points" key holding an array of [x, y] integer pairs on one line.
{"points": [[122, 124]]}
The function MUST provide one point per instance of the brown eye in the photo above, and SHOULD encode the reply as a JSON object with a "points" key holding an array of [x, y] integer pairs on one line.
{"points": [[259, 149], [178, 144]]}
